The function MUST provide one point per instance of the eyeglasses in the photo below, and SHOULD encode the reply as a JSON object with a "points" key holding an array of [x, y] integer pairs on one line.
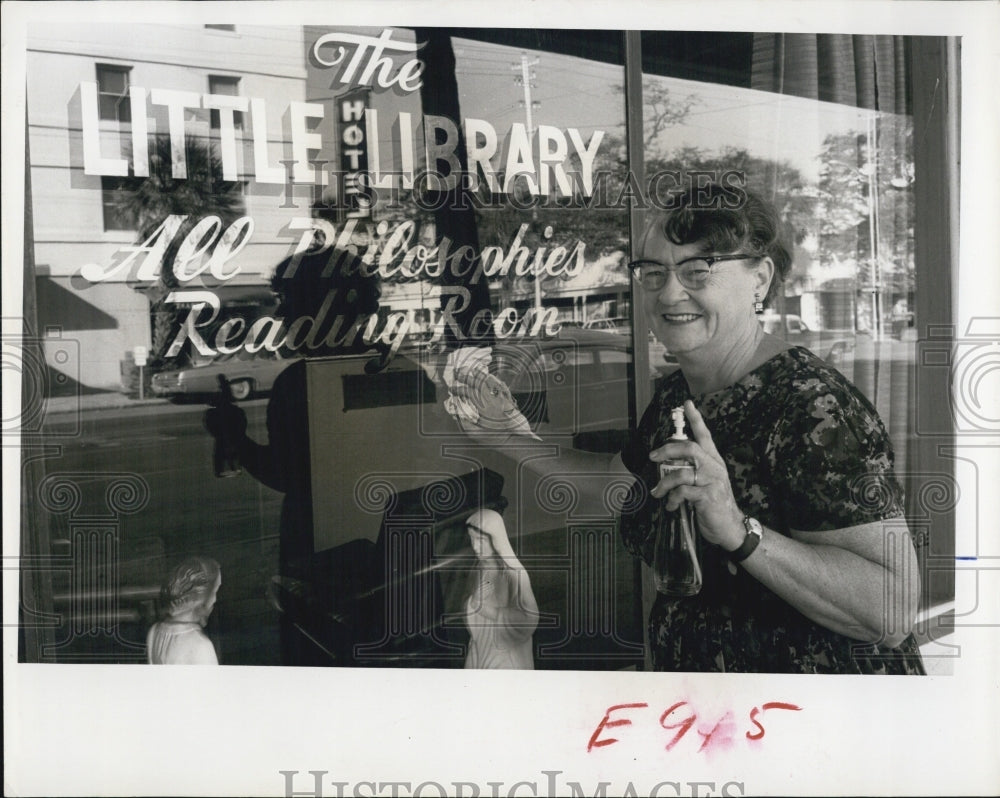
{"points": [[691, 272]]}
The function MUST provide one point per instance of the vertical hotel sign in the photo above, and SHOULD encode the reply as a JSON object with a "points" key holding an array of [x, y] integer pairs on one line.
{"points": [[355, 199]]}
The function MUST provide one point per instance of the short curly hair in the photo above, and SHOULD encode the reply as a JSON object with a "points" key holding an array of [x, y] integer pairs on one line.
{"points": [[188, 584], [726, 220]]}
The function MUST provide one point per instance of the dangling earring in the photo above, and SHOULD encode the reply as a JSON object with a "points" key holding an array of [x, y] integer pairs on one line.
{"points": [[758, 306]]}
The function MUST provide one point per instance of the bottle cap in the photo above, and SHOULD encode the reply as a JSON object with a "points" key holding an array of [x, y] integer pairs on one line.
{"points": [[677, 416]]}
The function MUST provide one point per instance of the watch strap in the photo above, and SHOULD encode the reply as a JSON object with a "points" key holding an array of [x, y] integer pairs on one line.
{"points": [[750, 542]]}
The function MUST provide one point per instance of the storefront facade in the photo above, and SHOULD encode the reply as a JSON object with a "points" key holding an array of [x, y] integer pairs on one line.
{"points": [[494, 182]]}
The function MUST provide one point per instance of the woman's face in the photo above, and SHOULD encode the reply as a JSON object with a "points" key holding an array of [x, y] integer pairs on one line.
{"points": [[709, 321]]}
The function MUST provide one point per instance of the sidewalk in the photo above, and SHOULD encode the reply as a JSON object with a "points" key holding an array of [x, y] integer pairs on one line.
{"points": [[110, 400], [56, 407]]}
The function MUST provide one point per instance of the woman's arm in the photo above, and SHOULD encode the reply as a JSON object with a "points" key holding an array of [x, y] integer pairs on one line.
{"points": [[493, 420], [543, 456], [860, 581]]}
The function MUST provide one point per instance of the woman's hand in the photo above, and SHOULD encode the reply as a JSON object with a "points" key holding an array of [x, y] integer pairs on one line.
{"points": [[706, 486], [481, 403], [841, 578]]}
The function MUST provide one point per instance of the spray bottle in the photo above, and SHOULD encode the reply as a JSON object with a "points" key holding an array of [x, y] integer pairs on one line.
{"points": [[676, 569]]}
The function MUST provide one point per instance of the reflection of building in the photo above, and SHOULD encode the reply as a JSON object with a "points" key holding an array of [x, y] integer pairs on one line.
{"points": [[75, 221], [602, 289]]}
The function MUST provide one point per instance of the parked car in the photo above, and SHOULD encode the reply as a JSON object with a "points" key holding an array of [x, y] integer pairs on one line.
{"points": [[576, 382], [833, 346], [619, 325], [248, 376]]}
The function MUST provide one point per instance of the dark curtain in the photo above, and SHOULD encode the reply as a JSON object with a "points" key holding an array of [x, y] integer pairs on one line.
{"points": [[861, 70]]}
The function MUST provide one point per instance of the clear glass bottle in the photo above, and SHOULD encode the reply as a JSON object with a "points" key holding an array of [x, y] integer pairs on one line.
{"points": [[676, 570]]}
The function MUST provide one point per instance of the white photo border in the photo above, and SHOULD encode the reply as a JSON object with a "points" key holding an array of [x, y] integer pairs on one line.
{"points": [[112, 730]]}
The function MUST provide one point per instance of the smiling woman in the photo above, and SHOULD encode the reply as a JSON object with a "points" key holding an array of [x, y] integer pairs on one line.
{"points": [[807, 562], [780, 437], [175, 201], [705, 269]]}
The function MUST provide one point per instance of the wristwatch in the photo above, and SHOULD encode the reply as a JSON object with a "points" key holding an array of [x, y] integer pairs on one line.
{"points": [[755, 532]]}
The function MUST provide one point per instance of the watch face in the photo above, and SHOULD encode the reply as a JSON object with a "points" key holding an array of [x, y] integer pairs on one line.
{"points": [[753, 527]]}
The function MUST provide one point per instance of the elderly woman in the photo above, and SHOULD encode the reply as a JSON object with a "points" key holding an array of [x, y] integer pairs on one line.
{"points": [[807, 563], [187, 599], [500, 611]]}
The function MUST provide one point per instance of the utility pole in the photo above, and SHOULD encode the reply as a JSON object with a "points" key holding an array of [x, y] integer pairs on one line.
{"points": [[525, 79]]}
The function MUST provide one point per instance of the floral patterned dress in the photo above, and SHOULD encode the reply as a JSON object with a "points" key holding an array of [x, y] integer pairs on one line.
{"points": [[806, 451]]}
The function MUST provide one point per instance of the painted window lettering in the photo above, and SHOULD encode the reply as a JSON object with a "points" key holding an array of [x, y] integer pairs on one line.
{"points": [[544, 168]]}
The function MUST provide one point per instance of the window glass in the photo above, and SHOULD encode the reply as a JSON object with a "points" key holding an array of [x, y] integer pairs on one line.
{"points": [[219, 84], [842, 179], [483, 176], [546, 212], [114, 195], [161, 297], [112, 83]]}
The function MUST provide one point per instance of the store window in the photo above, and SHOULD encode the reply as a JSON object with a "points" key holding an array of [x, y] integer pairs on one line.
{"points": [[562, 200], [495, 179], [112, 92], [822, 126], [839, 166]]}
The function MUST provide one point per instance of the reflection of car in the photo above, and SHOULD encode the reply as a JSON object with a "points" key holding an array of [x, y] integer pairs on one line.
{"points": [[615, 325], [622, 326], [394, 477], [577, 382], [247, 376], [831, 345]]}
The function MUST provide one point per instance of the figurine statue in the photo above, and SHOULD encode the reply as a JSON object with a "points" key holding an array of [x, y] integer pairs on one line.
{"points": [[501, 611], [187, 599]]}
